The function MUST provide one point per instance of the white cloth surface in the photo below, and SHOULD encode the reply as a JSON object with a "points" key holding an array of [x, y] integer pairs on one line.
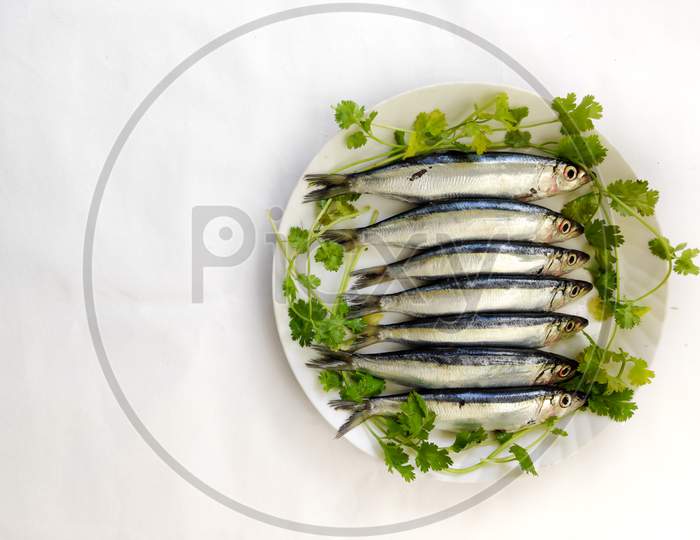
{"points": [[210, 380]]}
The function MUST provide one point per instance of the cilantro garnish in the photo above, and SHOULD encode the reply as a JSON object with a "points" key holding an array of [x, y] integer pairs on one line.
{"points": [[608, 377]]}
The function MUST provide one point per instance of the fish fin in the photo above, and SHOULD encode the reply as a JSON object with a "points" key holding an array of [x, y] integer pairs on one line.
{"points": [[368, 336], [331, 185], [360, 413], [369, 276], [345, 237], [362, 304], [333, 360]]}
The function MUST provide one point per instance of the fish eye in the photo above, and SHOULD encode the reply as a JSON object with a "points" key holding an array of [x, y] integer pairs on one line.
{"points": [[570, 326], [575, 290], [565, 371], [565, 400], [565, 227], [572, 259], [570, 172]]}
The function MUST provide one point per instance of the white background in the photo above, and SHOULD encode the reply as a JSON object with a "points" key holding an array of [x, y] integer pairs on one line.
{"points": [[208, 380]]}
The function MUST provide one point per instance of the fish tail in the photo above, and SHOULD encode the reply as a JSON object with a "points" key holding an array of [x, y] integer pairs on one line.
{"points": [[367, 337], [331, 185], [369, 276], [362, 304], [333, 360], [345, 237], [360, 413]]}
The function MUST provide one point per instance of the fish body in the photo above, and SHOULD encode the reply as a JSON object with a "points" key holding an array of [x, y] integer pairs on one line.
{"points": [[456, 175], [507, 329], [458, 221], [473, 294], [476, 257], [506, 409], [457, 367]]}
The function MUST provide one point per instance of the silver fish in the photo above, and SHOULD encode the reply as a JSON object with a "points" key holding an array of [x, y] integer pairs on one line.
{"points": [[458, 367], [467, 258], [472, 294], [512, 329], [455, 221], [494, 409], [456, 175]]}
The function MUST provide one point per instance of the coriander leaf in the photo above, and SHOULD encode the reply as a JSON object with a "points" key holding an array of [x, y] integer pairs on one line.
{"points": [[330, 254], [590, 360], [575, 118], [302, 328], [559, 432], [634, 194], [602, 236], [519, 114], [366, 124], [310, 281], [397, 460], [523, 459], [356, 139], [502, 113], [587, 151], [330, 380], [629, 315], [616, 405], [502, 437], [467, 439], [480, 142], [415, 417], [289, 288], [431, 456], [640, 374], [685, 265], [355, 325], [601, 310], [340, 207], [331, 332], [661, 247], [431, 124], [298, 238], [614, 384], [582, 209], [348, 113], [341, 307], [358, 386], [400, 137], [427, 130], [517, 139]]}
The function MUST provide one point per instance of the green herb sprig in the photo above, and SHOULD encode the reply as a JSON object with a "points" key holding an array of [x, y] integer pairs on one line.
{"points": [[610, 377]]}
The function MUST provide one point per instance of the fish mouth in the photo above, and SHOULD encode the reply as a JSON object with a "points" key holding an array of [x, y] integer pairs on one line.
{"points": [[583, 258], [576, 229]]}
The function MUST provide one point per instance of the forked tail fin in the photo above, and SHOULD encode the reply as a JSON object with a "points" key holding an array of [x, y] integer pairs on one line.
{"points": [[362, 304], [333, 360], [369, 276], [360, 413], [331, 185], [345, 237], [368, 336]]}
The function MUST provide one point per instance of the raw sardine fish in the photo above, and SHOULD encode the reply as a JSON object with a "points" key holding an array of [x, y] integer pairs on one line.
{"points": [[456, 175]]}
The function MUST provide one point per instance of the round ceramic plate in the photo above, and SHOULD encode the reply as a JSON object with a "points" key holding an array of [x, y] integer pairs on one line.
{"points": [[457, 100]]}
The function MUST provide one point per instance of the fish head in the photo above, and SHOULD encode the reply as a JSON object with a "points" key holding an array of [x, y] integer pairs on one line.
{"points": [[564, 326], [568, 177], [561, 370], [567, 291], [561, 228], [565, 402], [570, 259]]}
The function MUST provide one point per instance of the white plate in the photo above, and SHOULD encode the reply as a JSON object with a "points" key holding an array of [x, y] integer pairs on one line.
{"points": [[456, 100]]}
